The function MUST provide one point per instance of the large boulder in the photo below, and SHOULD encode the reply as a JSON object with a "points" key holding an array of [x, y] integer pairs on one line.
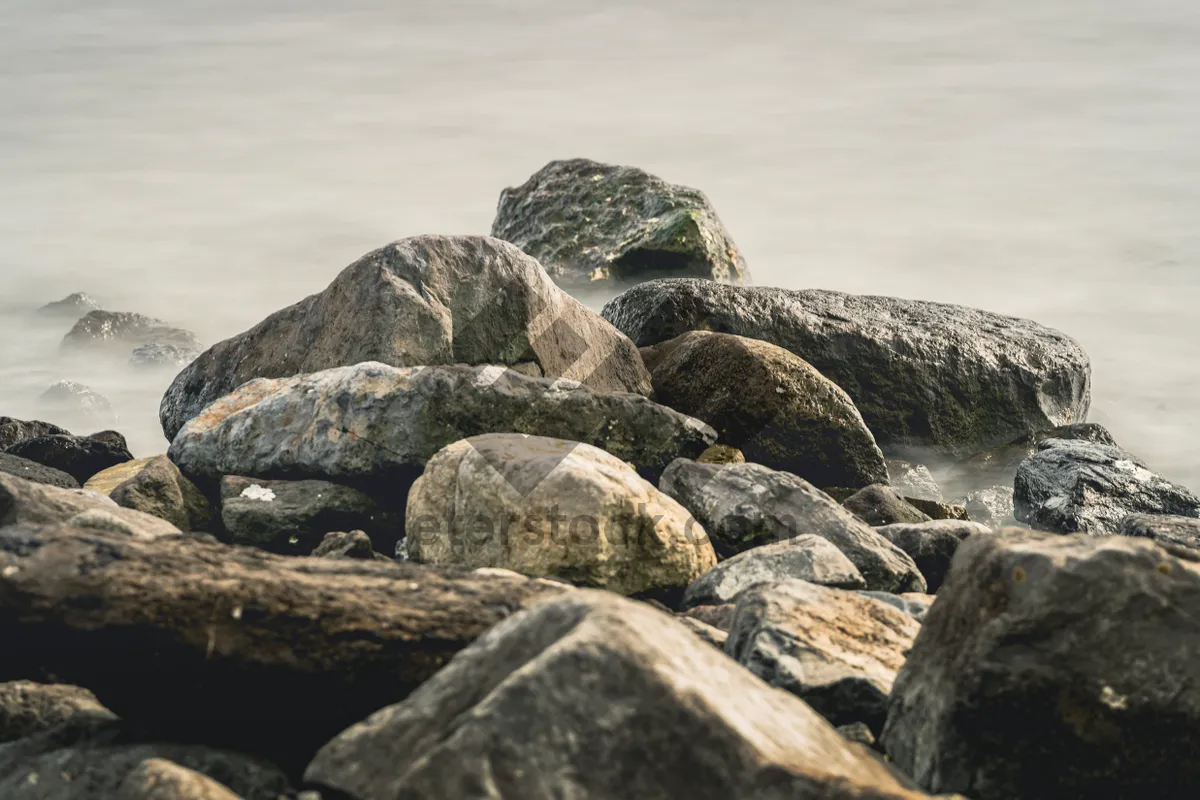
{"points": [[427, 300], [768, 403], [122, 331], [596, 696], [28, 708], [16, 430], [553, 508], [882, 505], [77, 406], [1075, 485], [155, 486], [747, 505], [923, 374], [25, 502], [233, 645], [1054, 666], [932, 545], [805, 558], [590, 223], [838, 651], [81, 457], [33, 471], [380, 424], [1168, 531]]}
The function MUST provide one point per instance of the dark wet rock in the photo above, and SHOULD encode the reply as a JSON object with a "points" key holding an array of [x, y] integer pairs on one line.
{"points": [[838, 651], [932, 545], [997, 467], [1071, 486], [770, 404], [880, 505], [605, 682], [292, 517], [33, 471], [913, 481], [1052, 667], [376, 424], [806, 558], [124, 331], [348, 544], [427, 300], [158, 354], [79, 406], [235, 646], [26, 502], [992, 506], [28, 708], [590, 223], [743, 506], [722, 454], [955, 379], [155, 486], [1170, 532], [71, 307], [81, 457], [159, 779], [915, 604], [16, 430], [935, 510]]}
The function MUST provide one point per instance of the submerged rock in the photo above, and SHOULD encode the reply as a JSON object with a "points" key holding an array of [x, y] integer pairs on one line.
{"points": [[72, 307], [77, 405], [158, 354], [124, 331], [81, 457]]}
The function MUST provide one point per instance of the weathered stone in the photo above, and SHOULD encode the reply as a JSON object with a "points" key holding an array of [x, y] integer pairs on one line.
{"points": [[553, 508], [1071, 486], [352, 545], [719, 617], [72, 307], [1169, 532], [956, 379], [123, 331], [742, 506], [858, 732], [155, 486], [915, 604], [992, 506], [595, 696], [1054, 666], [936, 510], [81, 457], [15, 430], [25, 502], [931, 544], [998, 466], [234, 646], [77, 406], [913, 481], [157, 354], [375, 424], [33, 471], [722, 454], [772, 405], [159, 779], [28, 708], [590, 223], [806, 558], [880, 505], [427, 300]]}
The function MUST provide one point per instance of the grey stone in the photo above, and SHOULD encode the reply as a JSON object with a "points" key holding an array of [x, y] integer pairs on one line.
{"points": [[77, 406], [25, 502], [15, 430], [931, 544], [913, 481], [122, 331], [880, 505], [915, 604], [33, 471], [72, 307], [158, 354], [1170, 532]]}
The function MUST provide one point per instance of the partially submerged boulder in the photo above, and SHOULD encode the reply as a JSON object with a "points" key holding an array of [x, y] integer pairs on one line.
{"points": [[768, 403], [881, 505], [427, 300], [71, 307], [590, 223], [76, 405], [922, 374], [155, 486], [932, 545], [25, 502], [28, 708], [160, 355], [81, 457], [122, 331]]}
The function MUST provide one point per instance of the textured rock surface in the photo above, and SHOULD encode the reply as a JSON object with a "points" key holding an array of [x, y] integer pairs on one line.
{"points": [[155, 486], [77, 406], [998, 466], [590, 223], [159, 779], [915, 604], [33, 471], [806, 558], [351, 545], [935, 510], [421, 301], [1054, 666], [28, 708], [16, 430], [838, 651], [124, 331], [1071, 486], [81, 457], [922, 374], [770, 404], [25, 502], [375, 423], [158, 354], [722, 454], [553, 508], [1168, 531], [932, 545], [881, 505], [73, 306], [570, 698], [235, 645], [747, 505]]}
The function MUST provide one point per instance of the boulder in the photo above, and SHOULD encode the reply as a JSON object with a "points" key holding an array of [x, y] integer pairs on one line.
{"points": [[770, 404], [293, 517], [743, 506], [838, 651], [880, 505], [155, 486], [992, 506], [719, 617], [159, 779], [915, 604], [77, 405], [379, 425], [590, 223], [712, 635], [81, 457], [1170, 532], [121, 331], [922, 374], [722, 454], [25, 502], [998, 466], [428, 300], [352, 545], [913, 481], [158, 354], [936, 510], [28, 708], [931, 544], [595, 696], [71, 307], [33, 471], [15, 430], [1051, 667], [1073, 485], [806, 558], [553, 508], [235, 646]]}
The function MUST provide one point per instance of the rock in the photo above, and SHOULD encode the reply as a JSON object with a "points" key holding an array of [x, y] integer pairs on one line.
{"points": [[772, 405], [123, 332], [1071, 486], [605, 683], [931, 544], [719, 617], [915, 604], [158, 354], [293, 517], [1169, 532], [806, 558], [73, 306], [858, 732], [722, 454], [159, 779], [101, 759], [234, 646], [714, 636], [590, 223], [880, 505], [155, 486], [15, 430], [838, 651], [33, 471], [1051, 667], [81, 457], [352, 545], [935, 510], [553, 508], [25, 502], [77, 405], [428, 300], [992, 507], [28, 708], [375, 424], [743, 506], [998, 467], [954, 379], [913, 481]]}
